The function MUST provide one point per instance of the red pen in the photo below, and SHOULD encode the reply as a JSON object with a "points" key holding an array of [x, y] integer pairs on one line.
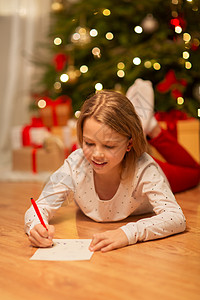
{"points": [[38, 213]]}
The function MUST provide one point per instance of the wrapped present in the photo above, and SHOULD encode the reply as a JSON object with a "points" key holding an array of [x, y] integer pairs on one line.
{"points": [[56, 112], [39, 159], [185, 129], [33, 134], [67, 134]]}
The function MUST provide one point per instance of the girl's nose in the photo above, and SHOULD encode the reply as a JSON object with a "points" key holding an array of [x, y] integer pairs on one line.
{"points": [[98, 153]]}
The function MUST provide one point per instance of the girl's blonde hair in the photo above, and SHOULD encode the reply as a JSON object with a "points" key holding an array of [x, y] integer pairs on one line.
{"points": [[116, 111]]}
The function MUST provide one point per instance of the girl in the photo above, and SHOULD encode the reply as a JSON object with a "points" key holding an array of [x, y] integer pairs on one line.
{"points": [[111, 177]]}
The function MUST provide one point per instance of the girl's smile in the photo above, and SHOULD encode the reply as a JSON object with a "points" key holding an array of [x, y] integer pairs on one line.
{"points": [[103, 147]]}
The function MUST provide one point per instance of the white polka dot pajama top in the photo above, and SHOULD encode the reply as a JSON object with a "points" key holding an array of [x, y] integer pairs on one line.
{"points": [[146, 191]]}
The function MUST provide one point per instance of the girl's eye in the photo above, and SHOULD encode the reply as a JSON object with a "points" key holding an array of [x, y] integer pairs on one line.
{"points": [[109, 147], [89, 144]]}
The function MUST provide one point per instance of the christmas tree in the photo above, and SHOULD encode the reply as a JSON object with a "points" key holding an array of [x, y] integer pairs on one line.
{"points": [[108, 44]]}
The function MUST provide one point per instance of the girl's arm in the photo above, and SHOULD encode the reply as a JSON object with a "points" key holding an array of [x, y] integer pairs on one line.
{"points": [[169, 218], [55, 192]]}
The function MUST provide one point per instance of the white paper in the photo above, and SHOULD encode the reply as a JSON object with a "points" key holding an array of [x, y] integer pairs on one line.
{"points": [[65, 249]]}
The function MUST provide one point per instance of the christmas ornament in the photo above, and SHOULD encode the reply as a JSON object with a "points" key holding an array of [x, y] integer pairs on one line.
{"points": [[60, 61], [149, 24]]}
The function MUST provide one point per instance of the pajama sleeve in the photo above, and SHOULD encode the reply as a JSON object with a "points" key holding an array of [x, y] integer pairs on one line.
{"points": [[168, 218], [57, 190]]}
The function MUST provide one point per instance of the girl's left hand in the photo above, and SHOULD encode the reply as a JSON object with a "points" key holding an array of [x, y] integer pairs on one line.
{"points": [[109, 240]]}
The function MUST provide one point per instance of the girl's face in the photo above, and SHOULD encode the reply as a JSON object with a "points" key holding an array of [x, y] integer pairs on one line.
{"points": [[103, 147]]}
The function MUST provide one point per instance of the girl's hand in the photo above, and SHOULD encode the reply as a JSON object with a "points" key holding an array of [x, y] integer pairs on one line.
{"points": [[109, 240], [40, 237]]}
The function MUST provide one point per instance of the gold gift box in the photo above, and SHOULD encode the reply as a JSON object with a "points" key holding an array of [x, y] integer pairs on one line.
{"points": [[45, 161], [63, 113]]}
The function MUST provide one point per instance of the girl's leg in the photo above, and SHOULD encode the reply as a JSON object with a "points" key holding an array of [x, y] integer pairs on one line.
{"points": [[182, 171]]}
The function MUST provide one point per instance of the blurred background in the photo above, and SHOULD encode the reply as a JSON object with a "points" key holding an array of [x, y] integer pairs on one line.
{"points": [[55, 53]]}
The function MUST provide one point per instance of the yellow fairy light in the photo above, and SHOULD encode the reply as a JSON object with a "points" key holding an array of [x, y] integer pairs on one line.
{"points": [[98, 86], [156, 66], [77, 114], [189, 0], [64, 77], [57, 41], [186, 55], [138, 29], [120, 65], [137, 61], [41, 103], [76, 36], [188, 65], [175, 2], [178, 29], [186, 37], [84, 69], [57, 85], [147, 64], [180, 100], [106, 12], [96, 52], [120, 73], [174, 14], [109, 36], [82, 30], [93, 32], [198, 112]]}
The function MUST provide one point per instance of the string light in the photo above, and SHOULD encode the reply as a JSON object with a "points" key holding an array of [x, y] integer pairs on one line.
{"points": [[156, 66], [120, 65], [77, 114], [147, 64], [186, 55], [137, 61], [96, 52], [93, 32], [84, 69], [98, 86], [64, 77], [188, 65], [138, 29], [178, 29], [42, 103], [180, 100], [57, 41], [109, 36], [186, 37], [106, 12], [120, 73], [198, 112], [175, 2], [57, 85]]}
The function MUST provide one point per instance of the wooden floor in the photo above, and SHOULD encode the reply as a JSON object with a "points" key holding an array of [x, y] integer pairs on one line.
{"points": [[163, 269]]}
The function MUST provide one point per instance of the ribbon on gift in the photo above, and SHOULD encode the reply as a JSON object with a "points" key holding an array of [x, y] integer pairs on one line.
{"points": [[34, 160], [171, 119], [35, 122], [54, 103]]}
